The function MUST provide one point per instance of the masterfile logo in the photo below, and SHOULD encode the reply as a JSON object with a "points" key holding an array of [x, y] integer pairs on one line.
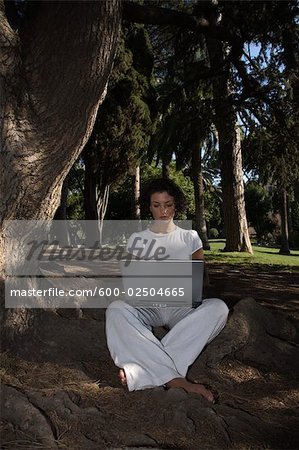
{"points": [[44, 271]]}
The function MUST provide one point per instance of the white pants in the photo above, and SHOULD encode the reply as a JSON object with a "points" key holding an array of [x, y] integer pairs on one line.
{"points": [[148, 362]]}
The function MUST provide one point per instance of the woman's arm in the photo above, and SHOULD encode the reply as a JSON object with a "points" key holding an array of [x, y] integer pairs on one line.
{"points": [[198, 254]]}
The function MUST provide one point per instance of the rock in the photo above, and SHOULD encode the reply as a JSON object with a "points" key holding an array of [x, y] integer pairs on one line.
{"points": [[18, 409], [244, 427], [176, 416], [174, 395], [210, 428], [141, 441], [254, 334]]}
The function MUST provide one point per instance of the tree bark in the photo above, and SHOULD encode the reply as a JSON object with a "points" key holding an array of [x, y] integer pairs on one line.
{"points": [[235, 222], [234, 214], [102, 204], [165, 170], [197, 179], [136, 196], [284, 248], [48, 105], [53, 78]]}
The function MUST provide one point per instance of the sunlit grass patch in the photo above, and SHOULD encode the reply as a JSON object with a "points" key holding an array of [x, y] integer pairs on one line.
{"points": [[267, 256]]}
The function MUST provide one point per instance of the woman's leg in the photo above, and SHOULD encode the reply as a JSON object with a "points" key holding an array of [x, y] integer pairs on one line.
{"points": [[135, 349], [191, 330]]}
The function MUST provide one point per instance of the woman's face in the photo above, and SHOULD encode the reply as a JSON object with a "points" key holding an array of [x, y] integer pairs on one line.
{"points": [[162, 206]]}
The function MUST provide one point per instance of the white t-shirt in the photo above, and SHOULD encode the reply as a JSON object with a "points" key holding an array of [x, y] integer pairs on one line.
{"points": [[178, 244]]}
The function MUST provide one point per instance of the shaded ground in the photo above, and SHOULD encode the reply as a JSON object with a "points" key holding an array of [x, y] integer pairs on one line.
{"points": [[62, 391], [270, 286]]}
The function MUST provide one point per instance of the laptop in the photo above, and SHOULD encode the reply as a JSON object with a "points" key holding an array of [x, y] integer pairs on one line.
{"points": [[167, 283]]}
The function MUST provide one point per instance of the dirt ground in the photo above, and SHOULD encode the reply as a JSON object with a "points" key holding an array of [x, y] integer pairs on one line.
{"points": [[62, 391], [271, 287]]}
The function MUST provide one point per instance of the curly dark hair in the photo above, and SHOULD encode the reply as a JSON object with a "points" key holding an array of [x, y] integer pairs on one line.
{"points": [[163, 185]]}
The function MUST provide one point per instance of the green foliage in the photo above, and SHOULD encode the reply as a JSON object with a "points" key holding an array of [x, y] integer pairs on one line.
{"points": [[125, 119], [138, 42], [295, 215], [294, 240], [75, 206], [120, 201], [294, 206], [213, 233], [271, 156], [264, 97], [213, 201], [150, 171], [184, 99], [121, 197], [269, 93], [258, 210], [294, 218], [75, 196]]}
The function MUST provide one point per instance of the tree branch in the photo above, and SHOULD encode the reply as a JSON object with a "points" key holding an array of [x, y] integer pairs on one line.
{"points": [[154, 15], [252, 63]]}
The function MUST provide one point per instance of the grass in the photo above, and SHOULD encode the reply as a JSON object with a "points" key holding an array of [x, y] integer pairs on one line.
{"points": [[266, 256]]}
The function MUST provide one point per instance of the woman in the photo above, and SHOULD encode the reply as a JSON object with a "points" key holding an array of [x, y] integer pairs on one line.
{"points": [[144, 361]]}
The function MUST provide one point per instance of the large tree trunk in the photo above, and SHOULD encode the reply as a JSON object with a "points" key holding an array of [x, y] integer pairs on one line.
{"points": [[234, 214], [53, 78], [235, 222], [284, 248], [197, 179], [48, 105]]}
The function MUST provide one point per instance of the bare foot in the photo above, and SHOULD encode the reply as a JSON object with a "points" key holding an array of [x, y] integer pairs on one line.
{"points": [[189, 386], [122, 377]]}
